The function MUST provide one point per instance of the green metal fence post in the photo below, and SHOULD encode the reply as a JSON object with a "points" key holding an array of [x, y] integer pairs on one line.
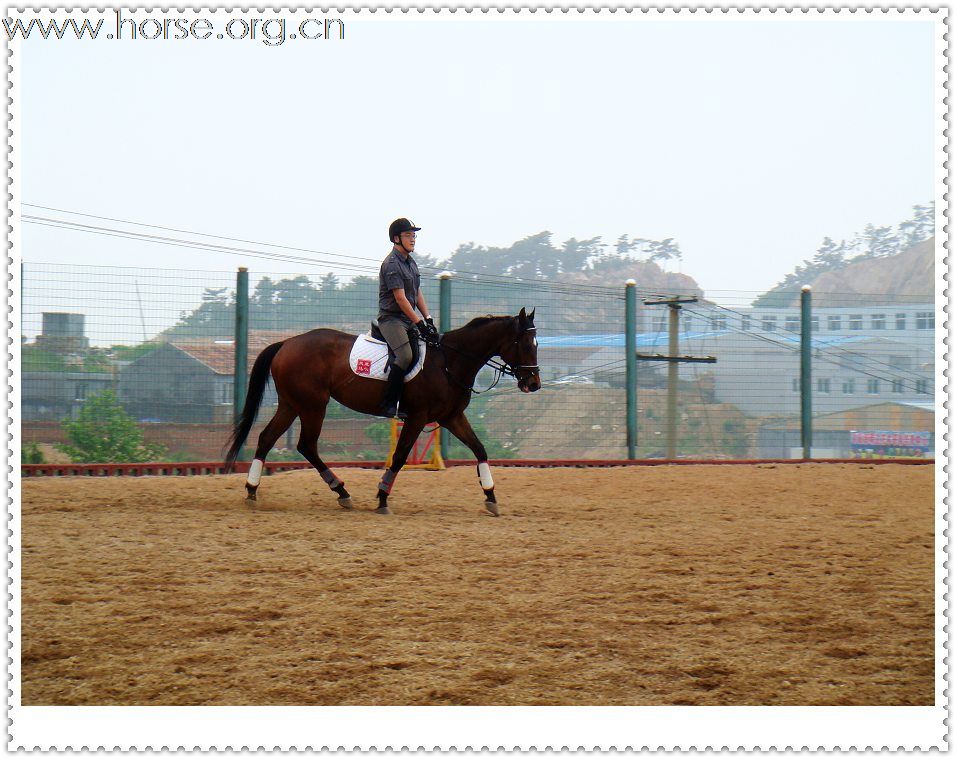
{"points": [[444, 325], [241, 343], [806, 389], [630, 349]]}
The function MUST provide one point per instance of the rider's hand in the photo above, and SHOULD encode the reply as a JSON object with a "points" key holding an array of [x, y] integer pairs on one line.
{"points": [[426, 328]]}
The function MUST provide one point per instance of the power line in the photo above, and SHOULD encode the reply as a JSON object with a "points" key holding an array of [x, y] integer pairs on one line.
{"points": [[232, 250], [475, 278], [201, 234], [177, 242]]}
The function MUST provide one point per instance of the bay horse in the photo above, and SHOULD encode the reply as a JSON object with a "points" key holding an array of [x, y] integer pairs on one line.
{"points": [[311, 368]]}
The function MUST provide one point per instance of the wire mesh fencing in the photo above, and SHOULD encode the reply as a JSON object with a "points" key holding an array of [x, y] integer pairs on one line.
{"points": [[146, 358]]}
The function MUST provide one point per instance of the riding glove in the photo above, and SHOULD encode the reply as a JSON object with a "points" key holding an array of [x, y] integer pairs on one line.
{"points": [[426, 328]]}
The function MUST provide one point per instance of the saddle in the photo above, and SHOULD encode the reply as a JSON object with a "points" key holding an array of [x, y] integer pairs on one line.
{"points": [[372, 358]]}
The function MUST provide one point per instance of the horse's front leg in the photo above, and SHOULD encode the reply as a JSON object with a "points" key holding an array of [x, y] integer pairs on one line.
{"points": [[410, 431], [461, 428]]}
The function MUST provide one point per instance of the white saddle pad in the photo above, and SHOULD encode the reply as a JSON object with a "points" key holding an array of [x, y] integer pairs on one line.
{"points": [[368, 358]]}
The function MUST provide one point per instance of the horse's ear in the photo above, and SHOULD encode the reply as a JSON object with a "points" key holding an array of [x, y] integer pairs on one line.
{"points": [[522, 315], [531, 316]]}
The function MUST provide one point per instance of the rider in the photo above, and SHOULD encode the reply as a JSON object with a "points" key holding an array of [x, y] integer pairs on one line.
{"points": [[399, 292]]}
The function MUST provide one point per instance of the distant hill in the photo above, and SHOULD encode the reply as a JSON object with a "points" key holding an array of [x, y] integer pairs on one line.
{"points": [[907, 277], [648, 275], [603, 314]]}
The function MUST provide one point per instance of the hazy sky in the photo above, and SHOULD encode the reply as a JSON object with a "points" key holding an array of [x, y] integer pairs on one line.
{"points": [[747, 141]]}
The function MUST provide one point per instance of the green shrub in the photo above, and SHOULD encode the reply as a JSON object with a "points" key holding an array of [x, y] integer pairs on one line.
{"points": [[33, 359], [30, 453], [103, 433]]}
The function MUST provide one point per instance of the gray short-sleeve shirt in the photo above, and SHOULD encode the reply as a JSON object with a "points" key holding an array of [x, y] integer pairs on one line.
{"points": [[397, 272]]}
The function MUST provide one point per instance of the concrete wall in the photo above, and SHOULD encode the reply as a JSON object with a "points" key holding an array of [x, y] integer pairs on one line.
{"points": [[205, 442]]}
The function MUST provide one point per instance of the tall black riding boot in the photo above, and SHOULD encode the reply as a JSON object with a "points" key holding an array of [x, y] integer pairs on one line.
{"points": [[393, 394]]}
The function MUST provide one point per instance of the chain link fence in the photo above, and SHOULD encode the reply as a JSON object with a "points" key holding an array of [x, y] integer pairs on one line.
{"points": [[159, 345]]}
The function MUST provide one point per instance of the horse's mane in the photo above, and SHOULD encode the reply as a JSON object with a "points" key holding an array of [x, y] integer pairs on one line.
{"points": [[477, 323], [481, 321]]}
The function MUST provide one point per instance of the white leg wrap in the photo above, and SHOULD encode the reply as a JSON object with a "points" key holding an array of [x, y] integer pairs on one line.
{"points": [[484, 474], [255, 472]]}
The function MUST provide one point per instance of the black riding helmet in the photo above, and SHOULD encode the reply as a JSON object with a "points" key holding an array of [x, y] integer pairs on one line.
{"points": [[398, 226]]}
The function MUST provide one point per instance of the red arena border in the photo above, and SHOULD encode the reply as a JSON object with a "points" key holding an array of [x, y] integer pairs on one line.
{"points": [[274, 467]]}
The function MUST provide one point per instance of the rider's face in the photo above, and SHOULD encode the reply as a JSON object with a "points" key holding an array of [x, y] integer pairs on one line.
{"points": [[408, 240]]}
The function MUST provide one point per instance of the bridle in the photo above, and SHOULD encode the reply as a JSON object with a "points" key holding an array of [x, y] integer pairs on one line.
{"points": [[501, 368]]}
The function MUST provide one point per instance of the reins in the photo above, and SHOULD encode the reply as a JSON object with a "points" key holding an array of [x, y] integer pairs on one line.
{"points": [[501, 368]]}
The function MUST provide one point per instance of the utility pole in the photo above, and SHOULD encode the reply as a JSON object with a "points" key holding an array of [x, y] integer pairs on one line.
{"points": [[806, 376], [673, 345], [673, 360]]}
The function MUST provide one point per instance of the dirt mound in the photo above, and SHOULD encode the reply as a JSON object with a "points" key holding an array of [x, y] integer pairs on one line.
{"points": [[587, 422]]}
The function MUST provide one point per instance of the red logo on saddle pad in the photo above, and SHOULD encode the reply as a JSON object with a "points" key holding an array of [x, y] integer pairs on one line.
{"points": [[363, 366]]}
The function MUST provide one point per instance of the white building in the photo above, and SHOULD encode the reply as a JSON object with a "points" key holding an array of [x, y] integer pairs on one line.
{"points": [[860, 356], [899, 322]]}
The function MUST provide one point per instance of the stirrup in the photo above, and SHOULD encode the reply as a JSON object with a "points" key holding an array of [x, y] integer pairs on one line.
{"points": [[397, 413]]}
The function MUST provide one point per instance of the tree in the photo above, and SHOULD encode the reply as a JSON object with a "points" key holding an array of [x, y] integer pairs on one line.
{"points": [[534, 256], [879, 242], [830, 255], [426, 261], [921, 227], [215, 295], [625, 245], [575, 254], [663, 250], [96, 360], [132, 352], [469, 258], [296, 292], [104, 433], [264, 294], [329, 283], [36, 359]]}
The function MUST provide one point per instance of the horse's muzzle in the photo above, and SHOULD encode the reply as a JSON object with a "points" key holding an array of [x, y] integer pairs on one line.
{"points": [[529, 384]]}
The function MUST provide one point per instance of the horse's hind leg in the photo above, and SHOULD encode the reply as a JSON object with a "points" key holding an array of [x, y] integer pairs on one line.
{"points": [[410, 431], [311, 428], [283, 418]]}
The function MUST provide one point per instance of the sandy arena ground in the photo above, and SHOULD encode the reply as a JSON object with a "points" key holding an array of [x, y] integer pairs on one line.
{"points": [[808, 584]]}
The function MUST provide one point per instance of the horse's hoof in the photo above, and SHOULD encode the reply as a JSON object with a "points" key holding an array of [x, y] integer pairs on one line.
{"points": [[382, 510], [251, 498], [345, 503], [492, 508]]}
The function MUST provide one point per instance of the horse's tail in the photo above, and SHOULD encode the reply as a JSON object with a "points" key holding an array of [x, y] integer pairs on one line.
{"points": [[257, 385]]}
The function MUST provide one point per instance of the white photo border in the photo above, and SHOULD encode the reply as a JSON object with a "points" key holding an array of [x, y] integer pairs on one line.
{"points": [[511, 728]]}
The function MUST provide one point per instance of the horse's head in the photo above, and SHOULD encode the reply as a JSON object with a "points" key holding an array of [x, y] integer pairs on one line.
{"points": [[521, 353]]}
